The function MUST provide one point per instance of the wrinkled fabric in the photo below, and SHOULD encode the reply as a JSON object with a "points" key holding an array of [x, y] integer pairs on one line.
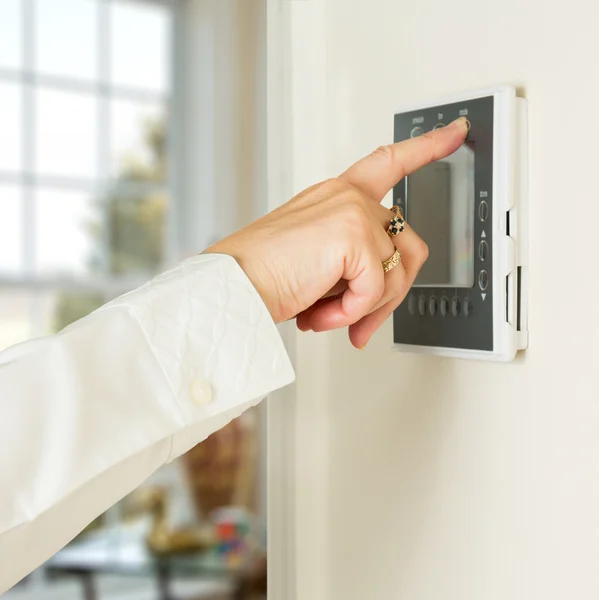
{"points": [[88, 414]]}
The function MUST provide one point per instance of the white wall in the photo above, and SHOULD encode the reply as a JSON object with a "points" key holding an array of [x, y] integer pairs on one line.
{"points": [[446, 479]]}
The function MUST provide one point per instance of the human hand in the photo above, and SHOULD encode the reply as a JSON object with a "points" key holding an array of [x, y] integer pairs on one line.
{"points": [[318, 257]]}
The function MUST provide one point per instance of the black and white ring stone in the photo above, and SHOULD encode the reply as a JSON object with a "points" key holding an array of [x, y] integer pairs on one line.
{"points": [[397, 225]]}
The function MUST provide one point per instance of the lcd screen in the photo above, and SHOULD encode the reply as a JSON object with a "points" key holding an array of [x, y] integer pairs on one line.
{"points": [[440, 208]]}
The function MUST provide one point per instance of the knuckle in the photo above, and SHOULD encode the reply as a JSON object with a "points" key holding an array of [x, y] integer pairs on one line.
{"points": [[354, 204], [354, 209], [378, 289], [399, 285], [431, 146], [334, 185], [428, 135], [386, 153], [422, 251]]}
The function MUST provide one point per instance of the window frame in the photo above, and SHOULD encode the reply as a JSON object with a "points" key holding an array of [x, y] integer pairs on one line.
{"points": [[177, 182], [27, 180]]}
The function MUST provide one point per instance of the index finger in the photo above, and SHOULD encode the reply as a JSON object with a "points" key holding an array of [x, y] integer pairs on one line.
{"points": [[380, 171]]}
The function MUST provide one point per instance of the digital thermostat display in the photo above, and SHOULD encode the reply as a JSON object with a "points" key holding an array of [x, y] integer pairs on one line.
{"points": [[469, 299], [440, 208]]}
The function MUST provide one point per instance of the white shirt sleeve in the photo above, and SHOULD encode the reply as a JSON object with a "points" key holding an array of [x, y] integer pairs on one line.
{"points": [[88, 414]]}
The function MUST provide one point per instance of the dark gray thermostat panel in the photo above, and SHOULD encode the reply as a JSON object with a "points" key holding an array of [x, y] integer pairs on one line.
{"points": [[467, 299]]}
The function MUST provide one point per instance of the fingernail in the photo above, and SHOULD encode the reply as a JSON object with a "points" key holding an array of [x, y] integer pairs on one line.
{"points": [[461, 121]]}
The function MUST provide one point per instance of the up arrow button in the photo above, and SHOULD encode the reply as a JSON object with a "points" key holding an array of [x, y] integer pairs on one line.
{"points": [[483, 234]]}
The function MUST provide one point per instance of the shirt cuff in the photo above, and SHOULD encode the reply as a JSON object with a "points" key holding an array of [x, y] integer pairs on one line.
{"points": [[212, 336]]}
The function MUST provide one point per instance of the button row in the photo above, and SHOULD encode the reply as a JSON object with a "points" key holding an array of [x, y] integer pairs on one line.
{"points": [[444, 306], [416, 131]]}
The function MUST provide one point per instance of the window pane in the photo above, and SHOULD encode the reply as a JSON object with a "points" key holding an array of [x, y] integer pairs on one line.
{"points": [[10, 33], [140, 49], [138, 141], [65, 224], [136, 224], [66, 41], [16, 323], [11, 254], [66, 133], [10, 126]]}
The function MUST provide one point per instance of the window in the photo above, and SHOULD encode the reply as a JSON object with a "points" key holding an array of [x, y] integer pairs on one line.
{"points": [[88, 198], [85, 178]]}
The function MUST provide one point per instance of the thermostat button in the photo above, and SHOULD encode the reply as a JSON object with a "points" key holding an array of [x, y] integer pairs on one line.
{"points": [[422, 305], [416, 132], [467, 307], [444, 305], [483, 210], [455, 306], [483, 280], [432, 306], [412, 304], [483, 250]]}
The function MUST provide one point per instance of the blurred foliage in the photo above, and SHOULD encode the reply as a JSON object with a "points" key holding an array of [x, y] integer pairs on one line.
{"points": [[136, 228], [74, 305], [130, 227], [136, 221]]}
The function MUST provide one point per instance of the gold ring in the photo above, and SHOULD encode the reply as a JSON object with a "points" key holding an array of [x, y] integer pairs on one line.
{"points": [[392, 261], [397, 224]]}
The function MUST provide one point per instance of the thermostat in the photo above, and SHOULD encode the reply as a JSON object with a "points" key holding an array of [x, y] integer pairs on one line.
{"points": [[470, 298]]}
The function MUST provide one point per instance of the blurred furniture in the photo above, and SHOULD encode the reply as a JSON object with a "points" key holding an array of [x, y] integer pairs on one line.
{"points": [[222, 475], [126, 553], [117, 587], [222, 470], [252, 581], [162, 538]]}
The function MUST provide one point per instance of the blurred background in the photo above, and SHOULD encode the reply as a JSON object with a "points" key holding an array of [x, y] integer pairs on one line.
{"points": [[99, 190]]}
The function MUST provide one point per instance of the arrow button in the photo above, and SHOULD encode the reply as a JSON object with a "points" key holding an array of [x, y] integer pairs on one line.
{"points": [[483, 234], [483, 250], [483, 280], [483, 296]]}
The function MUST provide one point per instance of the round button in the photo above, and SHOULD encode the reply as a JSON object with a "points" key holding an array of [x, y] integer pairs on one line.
{"points": [[422, 305], [416, 132], [412, 304], [444, 305], [201, 392], [483, 210], [467, 307], [439, 125], [483, 250], [455, 306], [483, 280], [432, 306]]}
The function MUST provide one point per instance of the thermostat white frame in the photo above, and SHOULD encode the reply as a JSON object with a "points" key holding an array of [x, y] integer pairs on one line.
{"points": [[509, 223]]}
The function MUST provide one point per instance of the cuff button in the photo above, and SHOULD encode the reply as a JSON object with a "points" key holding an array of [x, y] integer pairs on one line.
{"points": [[201, 392]]}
